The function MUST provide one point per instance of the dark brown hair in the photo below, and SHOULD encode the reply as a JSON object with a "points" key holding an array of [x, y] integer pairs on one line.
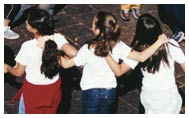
{"points": [[109, 33], [50, 65]]}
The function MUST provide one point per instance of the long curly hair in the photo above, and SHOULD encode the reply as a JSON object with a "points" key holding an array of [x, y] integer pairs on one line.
{"points": [[50, 65]]}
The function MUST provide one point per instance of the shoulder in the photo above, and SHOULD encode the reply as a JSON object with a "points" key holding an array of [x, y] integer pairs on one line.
{"points": [[173, 42], [121, 45], [84, 47], [29, 43], [173, 45], [60, 40], [59, 36]]}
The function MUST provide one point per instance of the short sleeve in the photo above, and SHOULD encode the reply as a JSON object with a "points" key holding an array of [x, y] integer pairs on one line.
{"points": [[22, 55], [176, 52], [131, 63], [60, 40], [124, 52], [80, 58]]}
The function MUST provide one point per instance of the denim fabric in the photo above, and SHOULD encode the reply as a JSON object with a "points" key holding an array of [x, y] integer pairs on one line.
{"points": [[21, 109], [173, 15], [98, 100]]}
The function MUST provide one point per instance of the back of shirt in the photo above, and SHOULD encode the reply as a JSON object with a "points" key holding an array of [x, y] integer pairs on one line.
{"points": [[96, 72], [30, 55], [165, 77]]}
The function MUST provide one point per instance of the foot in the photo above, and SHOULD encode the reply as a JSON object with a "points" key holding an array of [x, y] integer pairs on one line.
{"points": [[136, 12], [9, 34], [125, 15], [179, 36]]}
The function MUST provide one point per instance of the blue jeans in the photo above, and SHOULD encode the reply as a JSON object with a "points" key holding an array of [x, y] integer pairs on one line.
{"points": [[21, 109], [98, 100]]}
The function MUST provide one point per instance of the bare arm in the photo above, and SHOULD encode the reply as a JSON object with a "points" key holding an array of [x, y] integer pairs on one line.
{"points": [[183, 66], [66, 62], [118, 69], [144, 55], [70, 50], [16, 71]]}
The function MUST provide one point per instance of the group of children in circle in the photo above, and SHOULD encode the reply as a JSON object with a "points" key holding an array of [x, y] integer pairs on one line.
{"points": [[40, 58]]}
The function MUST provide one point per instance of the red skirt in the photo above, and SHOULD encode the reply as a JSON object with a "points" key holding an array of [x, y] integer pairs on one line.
{"points": [[40, 99]]}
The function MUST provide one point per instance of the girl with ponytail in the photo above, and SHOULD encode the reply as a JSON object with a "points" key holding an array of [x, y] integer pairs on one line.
{"points": [[39, 59], [98, 81]]}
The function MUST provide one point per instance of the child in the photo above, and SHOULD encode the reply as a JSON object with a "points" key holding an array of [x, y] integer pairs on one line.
{"points": [[41, 91], [159, 92], [98, 82]]}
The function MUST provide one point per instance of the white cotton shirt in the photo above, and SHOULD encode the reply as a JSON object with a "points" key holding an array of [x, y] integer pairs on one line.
{"points": [[96, 71], [30, 55], [164, 79]]}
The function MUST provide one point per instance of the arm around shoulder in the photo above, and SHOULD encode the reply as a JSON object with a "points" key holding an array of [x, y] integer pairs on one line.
{"points": [[144, 55], [70, 50], [118, 69], [66, 62]]}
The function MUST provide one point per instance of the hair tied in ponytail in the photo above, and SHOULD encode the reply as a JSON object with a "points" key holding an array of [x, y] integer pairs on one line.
{"points": [[50, 65]]}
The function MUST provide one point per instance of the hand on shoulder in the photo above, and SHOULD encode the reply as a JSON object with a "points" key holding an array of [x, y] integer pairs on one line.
{"points": [[163, 38]]}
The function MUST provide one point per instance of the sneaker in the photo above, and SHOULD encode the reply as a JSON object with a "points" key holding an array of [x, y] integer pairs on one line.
{"points": [[136, 12], [179, 36], [9, 34], [125, 15]]}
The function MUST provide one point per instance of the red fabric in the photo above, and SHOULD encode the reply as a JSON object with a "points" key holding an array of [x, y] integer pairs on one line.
{"points": [[40, 99]]}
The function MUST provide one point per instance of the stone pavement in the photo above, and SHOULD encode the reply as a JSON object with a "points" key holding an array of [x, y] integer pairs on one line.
{"points": [[75, 21]]}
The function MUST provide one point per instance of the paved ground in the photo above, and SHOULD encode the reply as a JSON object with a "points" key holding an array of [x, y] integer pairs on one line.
{"points": [[75, 21]]}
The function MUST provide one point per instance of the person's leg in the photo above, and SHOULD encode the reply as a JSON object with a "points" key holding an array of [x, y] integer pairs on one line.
{"points": [[10, 11], [8, 8], [178, 14], [164, 11], [6, 22], [90, 101], [124, 12], [172, 16], [107, 99], [21, 109], [136, 10]]}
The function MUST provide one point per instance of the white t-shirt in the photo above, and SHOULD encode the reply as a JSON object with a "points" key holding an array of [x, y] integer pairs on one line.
{"points": [[96, 71], [30, 55], [164, 79]]}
